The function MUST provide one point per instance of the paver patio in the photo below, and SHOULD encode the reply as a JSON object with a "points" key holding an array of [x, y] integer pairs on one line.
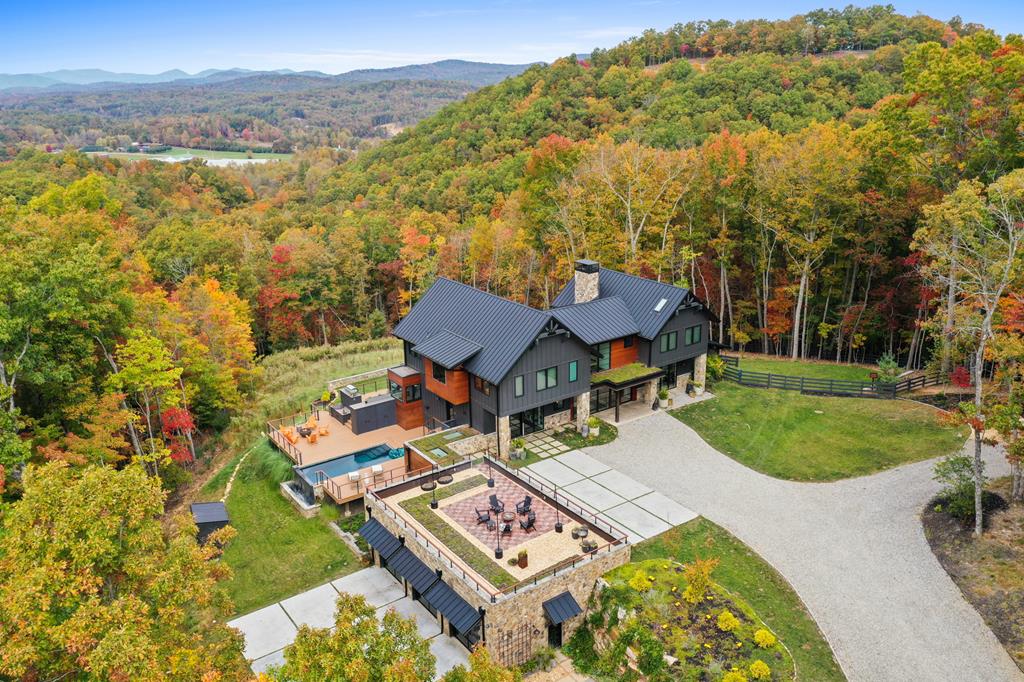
{"points": [[270, 629], [554, 472], [593, 494]]}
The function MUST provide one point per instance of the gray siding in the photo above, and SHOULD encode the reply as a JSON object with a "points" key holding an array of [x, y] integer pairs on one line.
{"points": [[678, 323], [551, 351], [414, 360]]}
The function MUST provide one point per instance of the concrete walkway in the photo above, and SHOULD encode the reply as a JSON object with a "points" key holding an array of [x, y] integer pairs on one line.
{"points": [[854, 551], [269, 630]]}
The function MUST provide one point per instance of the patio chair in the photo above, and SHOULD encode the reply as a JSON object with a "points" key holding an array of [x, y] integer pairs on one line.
{"points": [[530, 522], [483, 516], [324, 431], [311, 423], [292, 437], [312, 438], [524, 506], [497, 506], [491, 525], [506, 529]]}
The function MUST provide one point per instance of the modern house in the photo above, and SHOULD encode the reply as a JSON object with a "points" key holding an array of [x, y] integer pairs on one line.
{"points": [[499, 366]]}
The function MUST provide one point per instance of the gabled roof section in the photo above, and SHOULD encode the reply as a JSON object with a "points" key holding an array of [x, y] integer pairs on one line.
{"points": [[642, 297], [596, 321], [448, 349], [503, 329]]}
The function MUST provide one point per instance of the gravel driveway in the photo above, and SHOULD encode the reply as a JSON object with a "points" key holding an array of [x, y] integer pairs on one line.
{"points": [[854, 550]]}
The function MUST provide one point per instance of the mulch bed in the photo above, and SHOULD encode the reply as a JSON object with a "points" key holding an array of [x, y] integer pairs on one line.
{"points": [[989, 571]]}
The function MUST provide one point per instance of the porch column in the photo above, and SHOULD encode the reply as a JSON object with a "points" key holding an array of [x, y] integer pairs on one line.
{"points": [[582, 410], [616, 394], [651, 392], [504, 437], [700, 369]]}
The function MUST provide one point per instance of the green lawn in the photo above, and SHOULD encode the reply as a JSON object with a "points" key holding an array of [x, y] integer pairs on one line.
{"points": [[743, 572], [811, 438], [805, 368], [277, 553], [428, 444]]}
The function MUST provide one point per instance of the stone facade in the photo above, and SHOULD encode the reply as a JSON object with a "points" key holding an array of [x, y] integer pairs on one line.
{"points": [[700, 370], [482, 442], [504, 431], [586, 283], [648, 393], [582, 410], [557, 419]]}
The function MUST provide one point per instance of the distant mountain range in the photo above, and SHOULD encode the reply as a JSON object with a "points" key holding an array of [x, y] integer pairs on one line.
{"points": [[477, 74]]}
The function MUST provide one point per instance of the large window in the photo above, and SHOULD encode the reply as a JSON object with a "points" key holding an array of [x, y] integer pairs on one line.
{"points": [[395, 390], [573, 371], [519, 386], [438, 372], [412, 393], [693, 335], [669, 341], [601, 356], [547, 378]]}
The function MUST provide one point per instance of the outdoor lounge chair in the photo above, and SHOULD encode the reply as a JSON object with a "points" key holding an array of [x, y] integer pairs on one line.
{"points": [[530, 522], [312, 438], [483, 516], [524, 506], [497, 506], [506, 529], [323, 431]]}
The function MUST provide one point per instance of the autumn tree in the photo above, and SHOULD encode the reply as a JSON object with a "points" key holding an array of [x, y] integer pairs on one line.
{"points": [[92, 587]]}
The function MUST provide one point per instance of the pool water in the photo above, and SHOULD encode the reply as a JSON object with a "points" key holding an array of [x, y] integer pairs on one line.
{"points": [[340, 466]]}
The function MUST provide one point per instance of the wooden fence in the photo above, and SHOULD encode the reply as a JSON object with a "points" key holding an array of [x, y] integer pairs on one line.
{"points": [[836, 387]]}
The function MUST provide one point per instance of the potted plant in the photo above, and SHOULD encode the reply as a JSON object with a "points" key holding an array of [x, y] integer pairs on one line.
{"points": [[521, 559], [690, 389], [325, 398], [698, 388], [518, 445], [594, 427], [663, 398]]}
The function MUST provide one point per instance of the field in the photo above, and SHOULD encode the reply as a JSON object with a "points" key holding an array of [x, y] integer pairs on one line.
{"points": [[744, 573], [805, 368], [182, 153], [810, 438]]}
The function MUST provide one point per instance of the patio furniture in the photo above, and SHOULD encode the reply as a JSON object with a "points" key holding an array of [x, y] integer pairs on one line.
{"points": [[304, 431], [524, 506], [483, 516], [428, 486], [445, 479], [312, 438], [491, 525], [376, 469], [497, 506], [506, 529], [581, 532], [324, 431], [529, 523], [588, 546], [508, 517]]}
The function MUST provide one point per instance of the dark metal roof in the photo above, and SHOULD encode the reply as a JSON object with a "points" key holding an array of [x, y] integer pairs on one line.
{"points": [[504, 329], [596, 321], [378, 537], [561, 608], [448, 349], [209, 512], [641, 297], [404, 371], [405, 564], [453, 607]]}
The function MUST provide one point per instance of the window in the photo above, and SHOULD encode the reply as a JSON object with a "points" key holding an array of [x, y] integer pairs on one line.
{"points": [[601, 356], [627, 342], [661, 304], [669, 341], [518, 387], [547, 378], [481, 385], [395, 390], [573, 366], [413, 393], [693, 335], [438, 372]]}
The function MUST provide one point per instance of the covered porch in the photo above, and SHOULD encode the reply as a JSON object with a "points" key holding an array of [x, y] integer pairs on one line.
{"points": [[624, 392]]}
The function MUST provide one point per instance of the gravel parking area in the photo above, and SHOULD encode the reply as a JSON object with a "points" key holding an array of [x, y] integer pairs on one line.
{"points": [[854, 550]]}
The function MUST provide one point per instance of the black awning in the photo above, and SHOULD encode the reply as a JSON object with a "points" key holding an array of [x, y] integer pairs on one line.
{"points": [[453, 607], [405, 564], [378, 537], [561, 608]]}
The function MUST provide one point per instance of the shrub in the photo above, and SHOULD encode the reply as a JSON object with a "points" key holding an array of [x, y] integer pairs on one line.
{"points": [[698, 579], [715, 368], [518, 443], [734, 676], [759, 670], [727, 622], [764, 639], [594, 423], [663, 394], [639, 581], [888, 369], [956, 474]]}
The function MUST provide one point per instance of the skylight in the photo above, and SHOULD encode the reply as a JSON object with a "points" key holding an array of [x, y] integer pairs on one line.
{"points": [[661, 304]]}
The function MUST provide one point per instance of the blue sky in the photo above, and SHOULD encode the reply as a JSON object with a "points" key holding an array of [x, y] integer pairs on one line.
{"points": [[151, 36]]}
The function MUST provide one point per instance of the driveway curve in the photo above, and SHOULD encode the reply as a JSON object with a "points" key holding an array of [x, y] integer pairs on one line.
{"points": [[854, 550]]}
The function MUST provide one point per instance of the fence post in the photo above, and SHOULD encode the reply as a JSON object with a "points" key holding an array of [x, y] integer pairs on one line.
{"points": [[769, 379], [801, 384]]}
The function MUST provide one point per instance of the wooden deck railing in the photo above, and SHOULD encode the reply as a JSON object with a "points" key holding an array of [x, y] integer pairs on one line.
{"points": [[365, 382]]}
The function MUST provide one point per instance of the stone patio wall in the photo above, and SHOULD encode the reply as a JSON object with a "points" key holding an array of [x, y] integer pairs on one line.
{"points": [[557, 419], [474, 444]]}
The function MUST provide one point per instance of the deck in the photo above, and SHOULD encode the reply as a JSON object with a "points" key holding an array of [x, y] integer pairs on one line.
{"points": [[339, 439]]}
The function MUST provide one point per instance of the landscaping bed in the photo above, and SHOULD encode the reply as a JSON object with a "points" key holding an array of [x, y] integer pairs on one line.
{"points": [[989, 570], [574, 439], [814, 438], [653, 619], [419, 508], [749, 578], [437, 441]]}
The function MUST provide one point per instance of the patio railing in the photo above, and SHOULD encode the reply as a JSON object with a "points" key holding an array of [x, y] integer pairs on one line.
{"points": [[366, 382]]}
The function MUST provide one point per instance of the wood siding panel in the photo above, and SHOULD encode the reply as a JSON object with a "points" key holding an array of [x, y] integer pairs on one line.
{"points": [[621, 355], [456, 387], [409, 415]]}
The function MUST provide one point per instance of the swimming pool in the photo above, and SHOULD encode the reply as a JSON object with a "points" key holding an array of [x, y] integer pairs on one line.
{"points": [[354, 461]]}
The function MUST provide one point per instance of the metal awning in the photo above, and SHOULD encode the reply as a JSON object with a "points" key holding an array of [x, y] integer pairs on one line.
{"points": [[561, 608], [453, 607], [405, 564], [378, 537]]}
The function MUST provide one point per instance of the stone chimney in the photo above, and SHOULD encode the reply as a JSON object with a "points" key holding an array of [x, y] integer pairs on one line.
{"points": [[587, 274]]}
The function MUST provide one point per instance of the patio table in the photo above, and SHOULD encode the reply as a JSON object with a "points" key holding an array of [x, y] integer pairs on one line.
{"points": [[429, 485], [508, 516], [445, 479]]}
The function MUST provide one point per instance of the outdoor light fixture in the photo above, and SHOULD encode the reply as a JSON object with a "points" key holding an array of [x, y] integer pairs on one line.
{"points": [[558, 520], [497, 550], [433, 491], [490, 475]]}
